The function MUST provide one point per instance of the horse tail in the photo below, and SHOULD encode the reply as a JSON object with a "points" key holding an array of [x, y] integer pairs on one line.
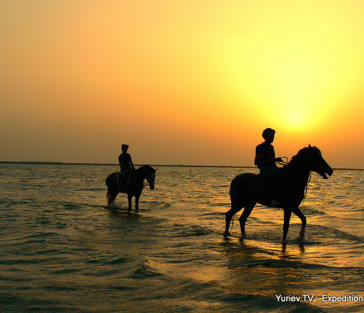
{"points": [[112, 187]]}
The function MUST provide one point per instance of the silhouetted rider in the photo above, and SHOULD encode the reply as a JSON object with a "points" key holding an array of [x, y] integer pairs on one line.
{"points": [[265, 157], [126, 164]]}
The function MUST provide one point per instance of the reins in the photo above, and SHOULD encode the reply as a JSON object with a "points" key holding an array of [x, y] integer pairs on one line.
{"points": [[306, 187], [232, 222], [284, 161]]}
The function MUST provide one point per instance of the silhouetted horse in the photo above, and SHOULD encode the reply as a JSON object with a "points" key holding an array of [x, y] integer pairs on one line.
{"points": [[246, 190], [134, 186]]}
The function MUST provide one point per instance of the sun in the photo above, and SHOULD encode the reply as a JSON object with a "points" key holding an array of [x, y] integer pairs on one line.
{"points": [[296, 118], [287, 74]]}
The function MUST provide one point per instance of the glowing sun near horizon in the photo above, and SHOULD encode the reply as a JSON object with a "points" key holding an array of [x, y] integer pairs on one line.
{"points": [[297, 69]]}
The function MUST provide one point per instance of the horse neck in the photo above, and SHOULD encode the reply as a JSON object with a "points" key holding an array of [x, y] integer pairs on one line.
{"points": [[298, 172], [141, 173]]}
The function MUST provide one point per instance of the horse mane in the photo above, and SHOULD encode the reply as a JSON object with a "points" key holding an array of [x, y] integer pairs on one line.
{"points": [[145, 167], [301, 156]]}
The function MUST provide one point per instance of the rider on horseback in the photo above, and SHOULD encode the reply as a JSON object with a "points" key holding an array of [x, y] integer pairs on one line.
{"points": [[126, 165], [265, 159]]}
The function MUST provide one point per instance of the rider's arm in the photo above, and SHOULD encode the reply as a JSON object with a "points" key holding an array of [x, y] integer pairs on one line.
{"points": [[261, 161], [131, 162]]}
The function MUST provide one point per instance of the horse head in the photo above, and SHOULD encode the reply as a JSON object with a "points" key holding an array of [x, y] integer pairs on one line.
{"points": [[317, 162], [149, 175], [310, 159]]}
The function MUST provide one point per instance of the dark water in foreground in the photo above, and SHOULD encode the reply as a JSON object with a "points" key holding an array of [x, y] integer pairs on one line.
{"points": [[63, 250]]}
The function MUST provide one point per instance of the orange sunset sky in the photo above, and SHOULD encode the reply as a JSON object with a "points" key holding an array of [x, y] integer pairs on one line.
{"points": [[182, 82]]}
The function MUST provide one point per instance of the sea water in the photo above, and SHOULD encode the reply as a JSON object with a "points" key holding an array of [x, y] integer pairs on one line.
{"points": [[62, 249]]}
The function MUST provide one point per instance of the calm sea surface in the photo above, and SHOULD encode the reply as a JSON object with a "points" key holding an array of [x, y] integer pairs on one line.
{"points": [[63, 250]]}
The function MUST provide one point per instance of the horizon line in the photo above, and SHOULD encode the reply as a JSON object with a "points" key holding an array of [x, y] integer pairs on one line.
{"points": [[163, 165]]}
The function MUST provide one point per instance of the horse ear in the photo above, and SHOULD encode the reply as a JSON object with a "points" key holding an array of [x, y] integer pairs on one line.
{"points": [[309, 146]]}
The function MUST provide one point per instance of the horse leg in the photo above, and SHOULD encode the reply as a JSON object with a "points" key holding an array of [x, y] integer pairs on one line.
{"points": [[129, 202], [298, 212], [287, 217], [137, 203], [247, 210], [235, 208]]}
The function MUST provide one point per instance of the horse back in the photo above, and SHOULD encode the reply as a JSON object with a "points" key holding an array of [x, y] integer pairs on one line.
{"points": [[240, 184]]}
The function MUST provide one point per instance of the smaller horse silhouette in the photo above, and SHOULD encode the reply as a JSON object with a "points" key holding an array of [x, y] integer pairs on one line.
{"points": [[133, 187], [246, 190]]}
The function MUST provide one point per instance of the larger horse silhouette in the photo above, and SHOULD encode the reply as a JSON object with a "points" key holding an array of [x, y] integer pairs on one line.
{"points": [[133, 187], [246, 190]]}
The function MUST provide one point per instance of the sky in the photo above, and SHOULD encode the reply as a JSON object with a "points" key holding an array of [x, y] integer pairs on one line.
{"points": [[182, 82]]}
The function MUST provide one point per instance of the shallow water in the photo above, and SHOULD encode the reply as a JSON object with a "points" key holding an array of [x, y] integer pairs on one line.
{"points": [[63, 250]]}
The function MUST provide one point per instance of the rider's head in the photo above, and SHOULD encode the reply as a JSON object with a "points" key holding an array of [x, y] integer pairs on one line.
{"points": [[268, 134], [124, 147]]}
